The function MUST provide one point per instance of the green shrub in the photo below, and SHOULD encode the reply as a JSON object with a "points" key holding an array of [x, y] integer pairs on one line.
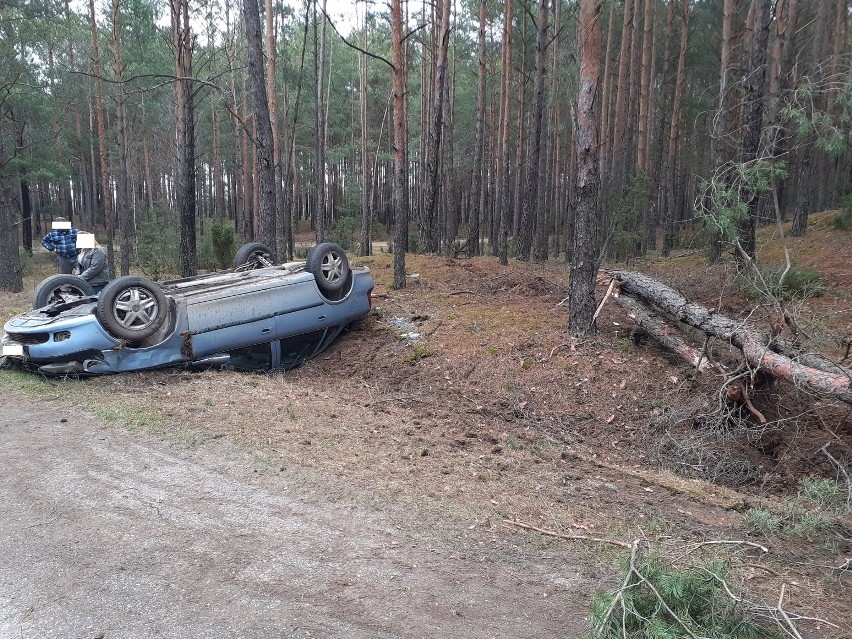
{"points": [[345, 232], [799, 282], [825, 492], [694, 594], [807, 524], [224, 244], [627, 219], [413, 243], [762, 521], [25, 260], [158, 249], [843, 221]]}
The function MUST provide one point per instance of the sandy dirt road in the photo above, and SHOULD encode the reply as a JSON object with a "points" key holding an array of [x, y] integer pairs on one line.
{"points": [[109, 533]]}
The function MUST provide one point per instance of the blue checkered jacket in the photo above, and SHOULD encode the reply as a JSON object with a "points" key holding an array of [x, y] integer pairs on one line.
{"points": [[64, 242]]}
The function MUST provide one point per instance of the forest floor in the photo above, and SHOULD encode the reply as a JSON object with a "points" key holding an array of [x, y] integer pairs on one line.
{"points": [[461, 405]]}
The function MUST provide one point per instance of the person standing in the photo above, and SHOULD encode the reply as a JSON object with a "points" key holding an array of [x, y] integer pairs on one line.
{"points": [[92, 264], [62, 240]]}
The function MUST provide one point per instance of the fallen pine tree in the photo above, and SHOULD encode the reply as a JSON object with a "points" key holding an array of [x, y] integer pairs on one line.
{"points": [[654, 306]]}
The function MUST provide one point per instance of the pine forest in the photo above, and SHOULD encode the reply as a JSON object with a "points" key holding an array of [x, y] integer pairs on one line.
{"points": [[581, 131]]}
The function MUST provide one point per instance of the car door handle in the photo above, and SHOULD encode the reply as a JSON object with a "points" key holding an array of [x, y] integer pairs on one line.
{"points": [[265, 331], [321, 318]]}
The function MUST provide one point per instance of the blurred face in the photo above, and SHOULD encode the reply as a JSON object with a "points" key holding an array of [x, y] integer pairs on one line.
{"points": [[85, 241]]}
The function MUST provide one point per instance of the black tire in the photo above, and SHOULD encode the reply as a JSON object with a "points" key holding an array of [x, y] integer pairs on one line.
{"points": [[132, 308], [254, 255], [57, 289], [330, 266]]}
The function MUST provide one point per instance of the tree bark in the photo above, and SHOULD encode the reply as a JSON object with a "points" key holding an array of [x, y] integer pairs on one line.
{"points": [[103, 157], [400, 144], [671, 161], [584, 254], [606, 106], [621, 97], [725, 117], [10, 265], [538, 161], [366, 210], [660, 176], [755, 93], [185, 119], [319, 140], [644, 88], [428, 232], [263, 143], [281, 215], [478, 186], [126, 221], [26, 217], [810, 189], [503, 176]]}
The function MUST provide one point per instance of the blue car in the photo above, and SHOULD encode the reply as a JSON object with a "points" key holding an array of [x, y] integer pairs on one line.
{"points": [[256, 317]]}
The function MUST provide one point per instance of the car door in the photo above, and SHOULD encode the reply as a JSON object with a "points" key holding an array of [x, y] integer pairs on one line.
{"points": [[244, 315]]}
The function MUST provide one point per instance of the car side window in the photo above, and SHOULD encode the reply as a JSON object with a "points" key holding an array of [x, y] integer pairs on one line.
{"points": [[296, 349], [257, 357]]}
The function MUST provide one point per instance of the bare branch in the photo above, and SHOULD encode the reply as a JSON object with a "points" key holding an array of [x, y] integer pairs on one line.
{"points": [[551, 533], [354, 46]]}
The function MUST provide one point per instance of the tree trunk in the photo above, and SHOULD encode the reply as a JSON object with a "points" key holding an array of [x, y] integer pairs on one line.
{"points": [[10, 263], [280, 214], [786, 18], [621, 98], [529, 210], [659, 190], [538, 161], [428, 231], [451, 218], [106, 190], [185, 119], [644, 88], [671, 161], [263, 144], [26, 217], [584, 253], [149, 188], [319, 141], [755, 92], [522, 136], [812, 171], [725, 117], [124, 211], [478, 187], [400, 144], [759, 354], [606, 102], [503, 177], [366, 210], [291, 174]]}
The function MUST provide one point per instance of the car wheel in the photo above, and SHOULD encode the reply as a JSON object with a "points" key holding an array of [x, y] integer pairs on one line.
{"points": [[330, 266], [132, 308], [253, 255], [58, 289]]}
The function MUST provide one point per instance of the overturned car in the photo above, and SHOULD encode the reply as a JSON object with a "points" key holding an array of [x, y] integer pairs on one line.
{"points": [[257, 316]]}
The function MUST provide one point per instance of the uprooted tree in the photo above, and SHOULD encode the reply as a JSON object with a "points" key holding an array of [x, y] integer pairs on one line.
{"points": [[657, 308]]}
